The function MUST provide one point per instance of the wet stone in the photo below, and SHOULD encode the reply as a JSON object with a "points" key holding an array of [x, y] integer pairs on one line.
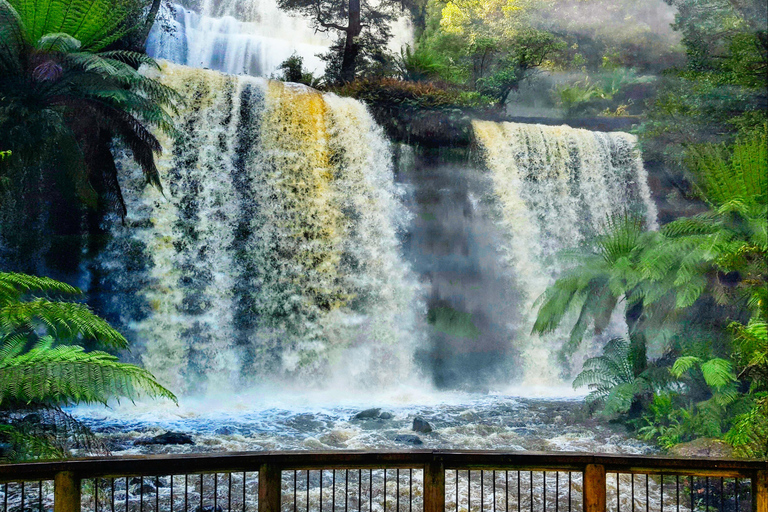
{"points": [[421, 425], [209, 508], [408, 439], [167, 438], [386, 416], [367, 414]]}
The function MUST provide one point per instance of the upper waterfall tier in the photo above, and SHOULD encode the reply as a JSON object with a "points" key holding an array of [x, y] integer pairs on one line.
{"points": [[236, 47], [274, 247], [556, 186]]}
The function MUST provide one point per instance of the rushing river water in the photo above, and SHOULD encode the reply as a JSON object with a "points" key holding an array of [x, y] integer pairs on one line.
{"points": [[274, 420]]}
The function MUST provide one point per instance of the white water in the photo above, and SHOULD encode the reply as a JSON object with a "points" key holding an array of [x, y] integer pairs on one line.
{"points": [[274, 251], [556, 186], [252, 37], [232, 46]]}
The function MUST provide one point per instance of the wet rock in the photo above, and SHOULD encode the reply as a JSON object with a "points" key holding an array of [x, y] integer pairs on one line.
{"points": [[703, 447], [421, 425], [209, 508], [408, 439], [386, 416], [225, 431], [167, 438], [145, 488], [523, 431], [517, 424], [367, 414]]}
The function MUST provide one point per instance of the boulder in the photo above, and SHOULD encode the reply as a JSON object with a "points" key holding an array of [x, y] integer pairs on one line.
{"points": [[367, 414], [386, 416], [421, 425], [209, 508], [703, 447], [167, 438], [408, 439]]}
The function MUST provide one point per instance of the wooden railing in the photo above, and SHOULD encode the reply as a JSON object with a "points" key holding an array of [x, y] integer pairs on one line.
{"points": [[700, 479]]}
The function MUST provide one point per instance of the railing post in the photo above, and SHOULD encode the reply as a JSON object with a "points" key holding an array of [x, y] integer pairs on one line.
{"points": [[760, 491], [434, 486], [66, 492], [269, 488], [594, 488]]}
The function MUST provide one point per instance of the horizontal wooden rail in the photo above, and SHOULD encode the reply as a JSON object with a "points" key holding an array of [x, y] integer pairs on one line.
{"points": [[451, 459], [68, 475]]}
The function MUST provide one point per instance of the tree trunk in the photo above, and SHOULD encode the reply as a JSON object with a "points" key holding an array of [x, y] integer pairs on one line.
{"points": [[637, 341], [148, 23], [351, 46]]}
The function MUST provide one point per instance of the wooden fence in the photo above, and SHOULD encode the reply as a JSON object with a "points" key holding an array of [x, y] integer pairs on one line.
{"points": [[432, 481]]}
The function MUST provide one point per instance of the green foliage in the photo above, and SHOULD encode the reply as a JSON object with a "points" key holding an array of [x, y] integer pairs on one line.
{"points": [[421, 64], [739, 174], [62, 105], [749, 434], [605, 273], [94, 23], [293, 71], [414, 95], [611, 378], [489, 46], [42, 368]]}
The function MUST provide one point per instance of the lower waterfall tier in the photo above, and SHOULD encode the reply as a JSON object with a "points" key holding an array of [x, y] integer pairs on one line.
{"points": [[274, 246]]}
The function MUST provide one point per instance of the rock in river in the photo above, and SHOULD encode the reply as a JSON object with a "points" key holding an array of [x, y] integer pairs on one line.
{"points": [[167, 438], [421, 425], [409, 439]]}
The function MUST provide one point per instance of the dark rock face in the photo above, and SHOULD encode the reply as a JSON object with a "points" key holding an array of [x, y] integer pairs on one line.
{"points": [[421, 425], [408, 439], [167, 438], [386, 416], [367, 414]]}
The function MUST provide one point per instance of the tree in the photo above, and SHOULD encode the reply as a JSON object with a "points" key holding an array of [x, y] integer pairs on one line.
{"points": [[61, 105], [488, 46], [607, 274], [363, 26], [43, 367]]}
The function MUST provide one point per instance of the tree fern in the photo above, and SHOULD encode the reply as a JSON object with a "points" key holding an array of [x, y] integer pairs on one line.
{"points": [[65, 375], [95, 23], [611, 378], [42, 368], [741, 173], [60, 96]]}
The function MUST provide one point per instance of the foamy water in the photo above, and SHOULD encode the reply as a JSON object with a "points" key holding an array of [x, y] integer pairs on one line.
{"points": [[269, 419]]}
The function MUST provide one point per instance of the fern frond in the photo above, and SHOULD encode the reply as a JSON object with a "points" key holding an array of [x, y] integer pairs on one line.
{"points": [[65, 320], [68, 374], [684, 363], [13, 286]]}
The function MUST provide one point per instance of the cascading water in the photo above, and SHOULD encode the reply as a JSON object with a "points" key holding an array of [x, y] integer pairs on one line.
{"points": [[250, 37], [274, 247], [226, 44], [556, 186], [273, 261]]}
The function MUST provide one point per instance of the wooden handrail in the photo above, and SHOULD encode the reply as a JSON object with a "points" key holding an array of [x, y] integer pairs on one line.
{"points": [[68, 474], [179, 464]]}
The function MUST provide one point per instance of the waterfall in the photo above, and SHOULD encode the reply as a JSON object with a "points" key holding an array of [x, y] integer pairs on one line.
{"points": [[555, 187], [251, 37], [226, 44], [274, 249]]}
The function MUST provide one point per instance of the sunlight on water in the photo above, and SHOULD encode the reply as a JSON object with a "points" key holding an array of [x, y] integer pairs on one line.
{"points": [[556, 186]]}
